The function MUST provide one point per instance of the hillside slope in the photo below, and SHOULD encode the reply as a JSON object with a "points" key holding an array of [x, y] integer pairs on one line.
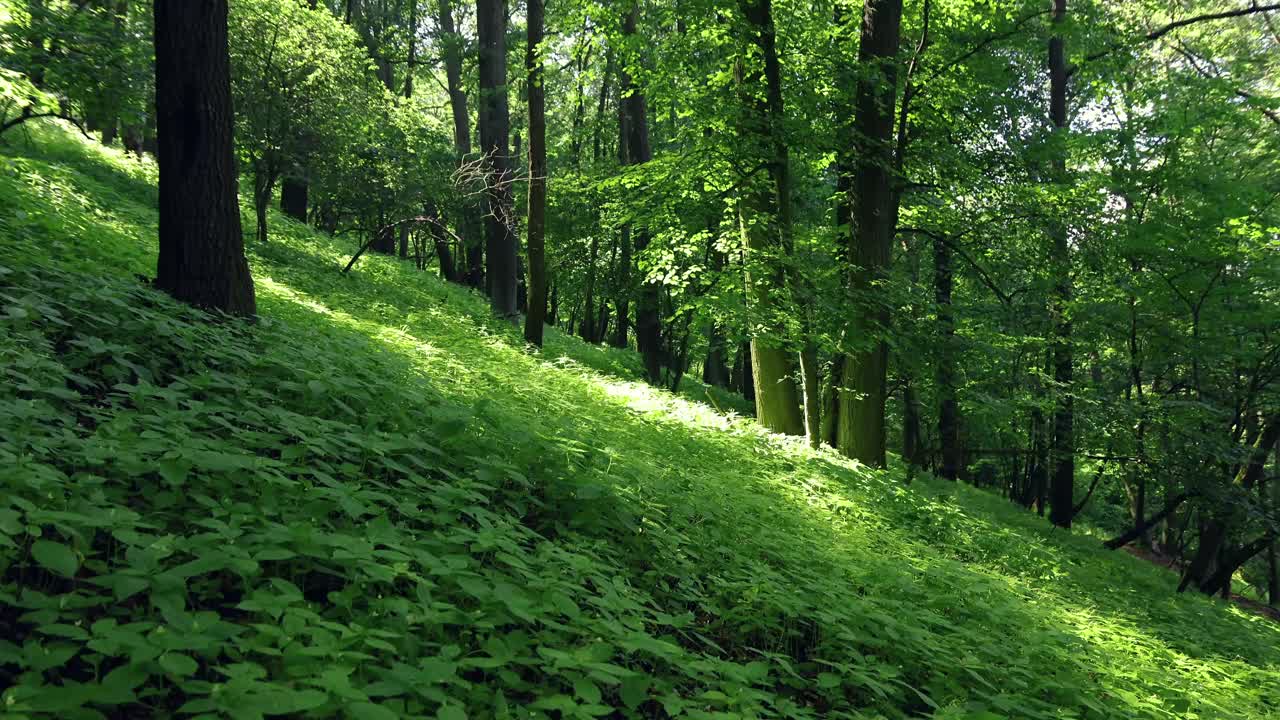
{"points": [[375, 502]]}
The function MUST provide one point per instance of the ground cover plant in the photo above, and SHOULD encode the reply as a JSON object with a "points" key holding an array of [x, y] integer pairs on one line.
{"points": [[376, 501]]}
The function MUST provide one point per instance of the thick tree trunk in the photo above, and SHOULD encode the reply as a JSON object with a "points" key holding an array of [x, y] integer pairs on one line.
{"points": [[537, 180], [765, 218], [861, 433], [1062, 481], [501, 246], [293, 198], [202, 258]]}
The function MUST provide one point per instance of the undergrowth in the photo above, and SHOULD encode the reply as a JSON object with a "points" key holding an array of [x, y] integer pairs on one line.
{"points": [[376, 502]]}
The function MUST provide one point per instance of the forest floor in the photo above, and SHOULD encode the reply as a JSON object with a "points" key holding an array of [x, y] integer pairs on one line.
{"points": [[1170, 563], [376, 502]]}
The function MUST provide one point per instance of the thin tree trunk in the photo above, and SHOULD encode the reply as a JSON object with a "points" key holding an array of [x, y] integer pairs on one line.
{"points": [[648, 320], [1062, 481], [201, 258], [1141, 528], [537, 179], [469, 222], [948, 408], [600, 106], [589, 322]]}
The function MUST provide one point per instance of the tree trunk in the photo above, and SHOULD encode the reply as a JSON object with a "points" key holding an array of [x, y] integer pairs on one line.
{"points": [[589, 320], [861, 432], [1062, 481], [1142, 527], [715, 370], [469, 222], [448, 268], [623, 302], [948, 408], [293, 198], [263, 186], [537, 180], [501, 247], [202, 258], [764, 214], [648, 319], [811, 382]]}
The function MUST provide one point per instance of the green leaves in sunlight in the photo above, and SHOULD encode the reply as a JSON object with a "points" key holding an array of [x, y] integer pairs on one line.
{"points": [[374, 503]]}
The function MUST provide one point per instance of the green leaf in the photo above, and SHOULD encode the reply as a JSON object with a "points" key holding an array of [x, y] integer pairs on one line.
{"points": [[369, 711], [178, 664], [56, 557], [634, 690], [451, 712]]}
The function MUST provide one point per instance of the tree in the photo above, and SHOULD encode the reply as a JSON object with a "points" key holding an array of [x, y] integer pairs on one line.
{"points": [[451, 44], [1062, 451], [861, 422], [537, 179], [201, 257], [500, 240], [765, 220]]}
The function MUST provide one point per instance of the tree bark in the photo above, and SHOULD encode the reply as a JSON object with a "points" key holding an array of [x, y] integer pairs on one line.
{"points": [[1142, 527], [648, 320], [861, 433], [765, 217], [589, 321], [293, 198], [537, 179], [948, 408], [1062, 452], [469, 222], [501, 246], [201, 258]]}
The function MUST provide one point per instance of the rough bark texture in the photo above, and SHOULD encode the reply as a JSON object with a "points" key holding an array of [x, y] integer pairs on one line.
{"points": [[537, 180], [501, 246], [202, 258], [861, 425], [765, 219], [1062, 481]]}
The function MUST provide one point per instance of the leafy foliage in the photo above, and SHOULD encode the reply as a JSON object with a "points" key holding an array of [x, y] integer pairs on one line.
{"points": [[374, 502]]}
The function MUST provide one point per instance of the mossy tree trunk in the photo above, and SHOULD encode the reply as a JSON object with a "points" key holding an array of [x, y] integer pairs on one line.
{"points": [[861, 424]]}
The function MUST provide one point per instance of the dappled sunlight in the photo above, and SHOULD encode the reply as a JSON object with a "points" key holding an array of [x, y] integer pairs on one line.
{"points": [[394, 475]]}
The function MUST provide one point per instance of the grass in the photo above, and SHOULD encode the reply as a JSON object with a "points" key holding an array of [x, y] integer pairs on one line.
{"points": [[376, 502]]}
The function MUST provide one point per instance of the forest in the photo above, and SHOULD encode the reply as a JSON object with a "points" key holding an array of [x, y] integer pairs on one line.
{"points": [[387, 359]]}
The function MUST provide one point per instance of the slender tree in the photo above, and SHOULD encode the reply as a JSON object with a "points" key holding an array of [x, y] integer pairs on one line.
{"points": [[202, 258], [537, 179], [1062, 450], [469, 223]]}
